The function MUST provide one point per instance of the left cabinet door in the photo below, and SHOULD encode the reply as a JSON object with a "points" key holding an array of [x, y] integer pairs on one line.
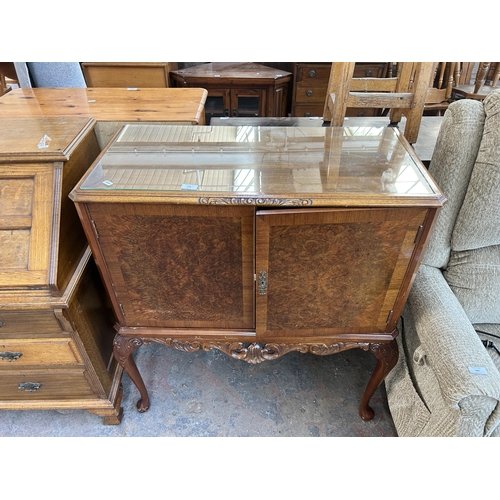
{"points": [[26, 225], [178, 266]]}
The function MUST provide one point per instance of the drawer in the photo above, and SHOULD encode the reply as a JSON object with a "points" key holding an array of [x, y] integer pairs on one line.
{"points": [[308, 110], [16, 352], [28, 324], [311, 92], [312, 73], [38, 385], [17, 197]]}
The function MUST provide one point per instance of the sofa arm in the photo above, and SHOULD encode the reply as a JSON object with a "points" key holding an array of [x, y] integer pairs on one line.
{"points": [[449, 341]]}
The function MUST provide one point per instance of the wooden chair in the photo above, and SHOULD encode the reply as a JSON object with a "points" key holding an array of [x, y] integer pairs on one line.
{"points": [[404, 93], [486, 80], [439, 93]]}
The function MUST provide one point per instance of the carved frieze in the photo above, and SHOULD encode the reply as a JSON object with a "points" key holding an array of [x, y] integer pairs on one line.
{"points": [[255, 353], [256, 201]]}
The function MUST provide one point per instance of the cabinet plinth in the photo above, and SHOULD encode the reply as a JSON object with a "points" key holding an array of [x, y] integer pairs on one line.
{"points": [[258, 241]]}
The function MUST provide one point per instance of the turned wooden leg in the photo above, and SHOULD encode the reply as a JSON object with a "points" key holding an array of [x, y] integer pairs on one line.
{"points": [[387, 356], [123, 347]]}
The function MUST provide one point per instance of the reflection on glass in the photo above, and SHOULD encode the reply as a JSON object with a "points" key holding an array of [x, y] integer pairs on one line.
{"points": [[259, 160]]}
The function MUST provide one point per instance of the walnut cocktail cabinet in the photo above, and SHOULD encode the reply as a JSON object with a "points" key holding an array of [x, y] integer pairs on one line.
{"points": [[56, 323], [258, 241]]}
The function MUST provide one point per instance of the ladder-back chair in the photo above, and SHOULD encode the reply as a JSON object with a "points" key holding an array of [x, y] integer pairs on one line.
{"points": [[404, 94]]}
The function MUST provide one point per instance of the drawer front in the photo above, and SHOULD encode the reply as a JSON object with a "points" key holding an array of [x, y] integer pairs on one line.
{"points": [[28, 324], [37, 385], [16, 353], [311, 92], [321, 72], [313, 73], [307, 110]]}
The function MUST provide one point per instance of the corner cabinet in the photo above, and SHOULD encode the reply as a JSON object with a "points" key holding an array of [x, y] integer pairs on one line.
{"points": [[238, 89], [258, 241], [56, 323]]}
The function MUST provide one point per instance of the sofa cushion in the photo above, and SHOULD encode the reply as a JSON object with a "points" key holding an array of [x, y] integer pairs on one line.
{"points": [[454, 156], [474, 277], [478, 222]]}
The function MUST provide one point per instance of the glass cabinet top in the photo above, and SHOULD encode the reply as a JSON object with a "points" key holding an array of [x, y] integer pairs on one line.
{"points": [[260, 161]]}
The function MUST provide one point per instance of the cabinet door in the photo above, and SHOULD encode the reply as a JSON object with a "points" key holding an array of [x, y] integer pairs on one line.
{"points": [[178, 266], [331, 272], [26, 225], [248, 102]]}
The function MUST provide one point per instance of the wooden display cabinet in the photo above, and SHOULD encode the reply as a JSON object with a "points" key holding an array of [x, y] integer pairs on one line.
{"points": [[56, 324], [238, 89], [258, 241]]}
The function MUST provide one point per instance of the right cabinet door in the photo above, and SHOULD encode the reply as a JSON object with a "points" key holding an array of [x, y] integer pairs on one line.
{"points": [[331, 272]]}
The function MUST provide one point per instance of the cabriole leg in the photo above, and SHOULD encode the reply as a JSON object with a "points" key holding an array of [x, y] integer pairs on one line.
{"points": [[387, 356], [123, 347]]}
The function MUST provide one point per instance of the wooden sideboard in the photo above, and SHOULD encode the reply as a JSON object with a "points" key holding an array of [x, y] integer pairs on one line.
{"points": [[238, 89], [111, 108], [128, 74], [258, 241], [56, 323], [311, 81]]}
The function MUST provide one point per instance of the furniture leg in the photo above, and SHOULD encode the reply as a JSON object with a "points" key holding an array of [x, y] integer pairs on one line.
{"points": [[123, 347], [387, 356]]}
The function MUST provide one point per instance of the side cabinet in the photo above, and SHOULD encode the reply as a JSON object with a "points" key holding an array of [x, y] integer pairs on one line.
{"points": [[279, 239]]}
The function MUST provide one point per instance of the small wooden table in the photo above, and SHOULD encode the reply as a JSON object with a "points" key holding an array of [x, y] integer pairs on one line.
{"points": [[110, 107], [258, 241]]}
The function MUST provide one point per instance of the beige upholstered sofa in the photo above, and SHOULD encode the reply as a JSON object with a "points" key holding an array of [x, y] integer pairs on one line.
{"points": [[447, 382]]}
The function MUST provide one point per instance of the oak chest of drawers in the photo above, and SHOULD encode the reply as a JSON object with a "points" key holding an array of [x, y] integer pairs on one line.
{"points": [[56, 327], [311, 81]]}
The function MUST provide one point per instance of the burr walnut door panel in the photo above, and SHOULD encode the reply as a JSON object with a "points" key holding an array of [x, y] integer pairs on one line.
{"points": [[178, 266], [331, 272], [26, 225]]}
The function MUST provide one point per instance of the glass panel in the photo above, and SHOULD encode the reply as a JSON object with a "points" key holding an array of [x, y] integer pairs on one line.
{"points": [[260, 161], [248, 106]]}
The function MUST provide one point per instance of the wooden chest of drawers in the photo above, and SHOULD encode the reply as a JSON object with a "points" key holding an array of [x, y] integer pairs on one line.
{"points": [[56, 327], [311, 81]]}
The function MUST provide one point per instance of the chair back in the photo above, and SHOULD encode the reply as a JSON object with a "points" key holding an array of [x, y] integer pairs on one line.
{"points": [[405, 92]]}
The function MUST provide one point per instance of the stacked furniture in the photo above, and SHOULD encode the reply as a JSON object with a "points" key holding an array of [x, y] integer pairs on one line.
{"points": [[56, 324], [56, 327], [447, 380]]}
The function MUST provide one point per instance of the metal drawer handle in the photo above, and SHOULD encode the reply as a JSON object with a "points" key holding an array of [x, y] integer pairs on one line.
{"points": [[309, 93], [312, 73], [30, 386], [1, 324], [10, 356]]}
